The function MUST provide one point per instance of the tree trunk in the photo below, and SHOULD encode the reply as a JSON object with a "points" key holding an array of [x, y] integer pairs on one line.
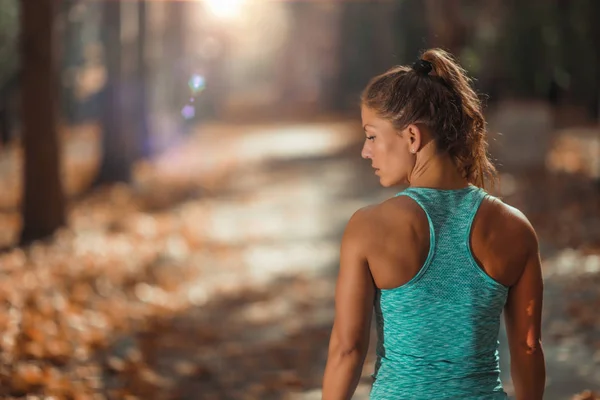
{"points": [[383, 14], [125, 127], [140, 127], [595, 33], [43, 200], [447, 29], [114, 166], [174, 45], [4, 125], [71, 55]]}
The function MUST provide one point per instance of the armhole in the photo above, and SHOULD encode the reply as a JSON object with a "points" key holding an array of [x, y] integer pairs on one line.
{"points": [[430, 253], [473, 261]]}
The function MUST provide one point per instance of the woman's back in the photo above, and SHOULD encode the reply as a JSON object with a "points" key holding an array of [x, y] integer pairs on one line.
{"points": [[437, 308], [438, 263]]}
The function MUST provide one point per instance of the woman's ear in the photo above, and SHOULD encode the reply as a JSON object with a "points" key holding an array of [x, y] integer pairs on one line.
{"points": [[414, 136]]}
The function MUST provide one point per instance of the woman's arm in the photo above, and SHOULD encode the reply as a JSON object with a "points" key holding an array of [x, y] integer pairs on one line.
{"points": [[523, 317], [354, 297]]}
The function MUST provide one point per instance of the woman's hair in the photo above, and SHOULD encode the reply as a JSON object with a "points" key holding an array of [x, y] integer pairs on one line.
{"points": [[437, 93]]}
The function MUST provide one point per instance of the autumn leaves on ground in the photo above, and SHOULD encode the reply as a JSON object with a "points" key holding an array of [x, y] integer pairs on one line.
{"points": [[212, 275], [206, 278]]}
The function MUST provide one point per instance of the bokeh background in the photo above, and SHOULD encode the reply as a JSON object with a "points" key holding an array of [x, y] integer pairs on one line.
{"points": [[175, 177]]}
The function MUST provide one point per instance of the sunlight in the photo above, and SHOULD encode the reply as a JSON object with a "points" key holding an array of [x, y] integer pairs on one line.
{"points": [[299, 141], [224, 8]]}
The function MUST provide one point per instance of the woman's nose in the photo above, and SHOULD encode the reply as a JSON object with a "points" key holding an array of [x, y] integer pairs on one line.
{"points": [[366, 152]]}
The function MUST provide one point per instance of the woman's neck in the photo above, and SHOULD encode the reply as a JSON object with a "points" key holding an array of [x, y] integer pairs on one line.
{"points": [[436, 170]]}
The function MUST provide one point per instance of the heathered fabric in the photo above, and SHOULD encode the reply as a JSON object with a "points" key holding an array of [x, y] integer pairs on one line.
{"points": [[438, 333]]}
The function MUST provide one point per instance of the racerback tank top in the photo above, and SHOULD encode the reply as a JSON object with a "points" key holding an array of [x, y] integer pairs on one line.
{"points": [[438, 333]]}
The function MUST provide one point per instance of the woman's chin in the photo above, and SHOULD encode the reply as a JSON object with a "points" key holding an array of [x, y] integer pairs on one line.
{"points": [[387, 182], [384, 182]]}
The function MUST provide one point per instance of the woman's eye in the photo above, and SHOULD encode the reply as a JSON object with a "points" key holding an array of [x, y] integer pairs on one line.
{"points": [[370, 138]]}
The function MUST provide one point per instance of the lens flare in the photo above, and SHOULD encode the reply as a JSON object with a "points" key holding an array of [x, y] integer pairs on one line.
{"points": [[197, 83], [188, 111], [225, 9]]}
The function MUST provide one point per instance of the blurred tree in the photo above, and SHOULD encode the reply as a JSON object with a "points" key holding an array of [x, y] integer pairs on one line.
{"points": [[174, 45], [142, 83], [410, 30], [125, 130], [481, 55], [115, 165], [43, 200], [549, 49], [595, 33], [368, 48], [9, 76], [383, 15], [71, 57], [356, 51], [80, 60], [447, 29], [9, 30], [583, 57], [8, 107]]}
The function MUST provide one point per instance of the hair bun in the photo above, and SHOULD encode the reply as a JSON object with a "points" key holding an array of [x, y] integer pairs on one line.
{"points": [[422, 67]]}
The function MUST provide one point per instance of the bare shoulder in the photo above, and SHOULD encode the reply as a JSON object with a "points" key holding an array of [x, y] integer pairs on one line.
{"points": [[509, 220], [393, 220], [400, 209], [503, 240]]}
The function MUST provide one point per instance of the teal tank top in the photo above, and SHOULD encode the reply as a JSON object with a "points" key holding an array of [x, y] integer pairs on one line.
{"points": [[438, 333]]}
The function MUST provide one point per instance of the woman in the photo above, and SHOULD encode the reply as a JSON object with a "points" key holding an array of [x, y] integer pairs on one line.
{"points": [[441, 260]]}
